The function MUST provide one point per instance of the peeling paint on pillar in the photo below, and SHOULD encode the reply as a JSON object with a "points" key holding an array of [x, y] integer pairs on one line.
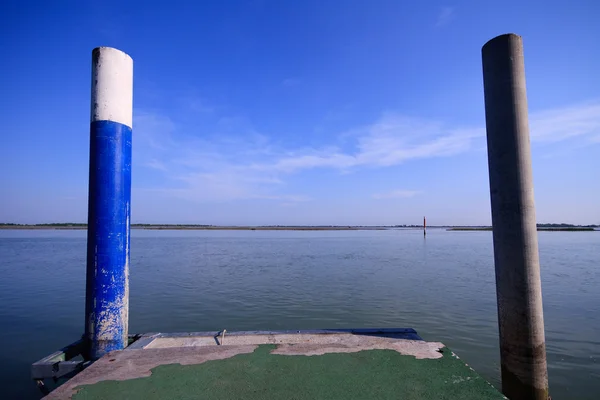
{"points": [[109, 202]]}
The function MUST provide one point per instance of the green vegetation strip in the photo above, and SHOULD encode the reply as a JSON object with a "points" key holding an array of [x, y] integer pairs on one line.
{"points": [[574, 229], [369, 374], [202, 227], [76, 225]]}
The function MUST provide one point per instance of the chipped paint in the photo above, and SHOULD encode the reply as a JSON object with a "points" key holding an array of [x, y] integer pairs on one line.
{"points": [[131, 364], [253, 371], [415, 348], [107, 281], [460, 379], [313, 344], [107, 289]]}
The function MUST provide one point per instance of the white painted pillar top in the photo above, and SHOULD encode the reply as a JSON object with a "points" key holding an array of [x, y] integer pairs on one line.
{"points": [[112, 86]]}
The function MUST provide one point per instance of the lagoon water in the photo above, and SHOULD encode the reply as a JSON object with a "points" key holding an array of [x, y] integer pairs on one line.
{"points": [[441, 285]]}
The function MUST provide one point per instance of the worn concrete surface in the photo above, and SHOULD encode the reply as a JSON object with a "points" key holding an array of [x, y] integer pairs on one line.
{"points": [[336, 366], [516, 255], [311, 344]]}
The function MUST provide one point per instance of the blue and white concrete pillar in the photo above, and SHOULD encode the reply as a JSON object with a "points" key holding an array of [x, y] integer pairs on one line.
{"points": [[109, 203]]}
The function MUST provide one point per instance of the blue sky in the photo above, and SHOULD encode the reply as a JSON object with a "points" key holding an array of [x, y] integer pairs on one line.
{"points": [[285, 112]]}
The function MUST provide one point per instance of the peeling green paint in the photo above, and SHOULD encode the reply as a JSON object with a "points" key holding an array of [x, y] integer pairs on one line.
{"points": [[370, 374]]}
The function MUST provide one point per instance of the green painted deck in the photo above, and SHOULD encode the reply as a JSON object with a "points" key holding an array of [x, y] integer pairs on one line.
{"points": [[286, 366]]}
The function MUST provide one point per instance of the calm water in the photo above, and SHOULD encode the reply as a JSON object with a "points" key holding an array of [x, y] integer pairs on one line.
{"points": [[244, 280]]}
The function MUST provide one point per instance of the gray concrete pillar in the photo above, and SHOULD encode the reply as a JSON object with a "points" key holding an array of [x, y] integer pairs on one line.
{"points": [[518, 285]]}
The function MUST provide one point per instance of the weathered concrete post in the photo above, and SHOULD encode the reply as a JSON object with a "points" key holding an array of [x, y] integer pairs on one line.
{"points": [[518, 286], [107, 278]]}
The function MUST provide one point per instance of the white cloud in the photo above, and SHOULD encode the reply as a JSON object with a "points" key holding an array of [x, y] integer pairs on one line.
{"points": [[155, 164], [396, 194], [445, 15], [565, 123], [229, 183], [392, 140], [236, 162]]}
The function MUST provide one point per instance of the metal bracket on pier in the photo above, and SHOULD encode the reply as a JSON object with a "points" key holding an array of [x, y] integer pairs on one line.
{"points": [[60, 363], [222, 336], [63, 363]]}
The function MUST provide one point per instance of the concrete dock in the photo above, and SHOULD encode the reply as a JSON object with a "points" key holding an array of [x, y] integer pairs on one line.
{"points": [[321, 364]]}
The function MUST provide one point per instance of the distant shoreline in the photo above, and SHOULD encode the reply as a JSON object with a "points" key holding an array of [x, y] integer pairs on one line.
{"points": [[284, 227], [204, 227], [540, 229]]}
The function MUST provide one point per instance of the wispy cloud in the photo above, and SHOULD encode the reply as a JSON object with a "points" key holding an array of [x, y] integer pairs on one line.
{"points": [[234, 161], [155, 164], [392, 140], [577, 121], [211, 165], [396, 194], [445, 15], [153, 129]]}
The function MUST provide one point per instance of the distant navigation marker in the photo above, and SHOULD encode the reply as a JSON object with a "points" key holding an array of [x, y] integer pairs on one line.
{"points": [[424, 226]]}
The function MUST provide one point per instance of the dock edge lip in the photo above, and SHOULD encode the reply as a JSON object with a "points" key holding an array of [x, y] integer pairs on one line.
{"points": [[147, 338]]}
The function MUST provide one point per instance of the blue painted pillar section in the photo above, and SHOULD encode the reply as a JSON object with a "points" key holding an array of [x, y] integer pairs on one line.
{"points": [[109, 203]]}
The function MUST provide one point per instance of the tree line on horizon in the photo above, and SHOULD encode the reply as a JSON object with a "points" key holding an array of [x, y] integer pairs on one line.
{"points": [[81, 224]]}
